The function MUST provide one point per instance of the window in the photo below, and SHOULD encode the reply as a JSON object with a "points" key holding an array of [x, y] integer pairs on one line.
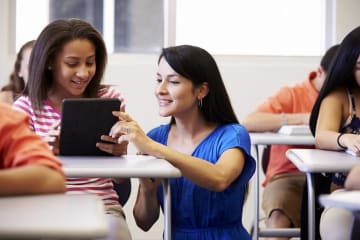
{"points": [[134, 26], [253, 27], [242, 27]]}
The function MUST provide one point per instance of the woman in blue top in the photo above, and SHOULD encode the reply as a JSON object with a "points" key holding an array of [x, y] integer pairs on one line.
{"points": [[204, 140]]}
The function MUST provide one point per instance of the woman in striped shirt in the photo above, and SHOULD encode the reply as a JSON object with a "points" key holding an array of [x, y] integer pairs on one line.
{"points": [[68, 61]]}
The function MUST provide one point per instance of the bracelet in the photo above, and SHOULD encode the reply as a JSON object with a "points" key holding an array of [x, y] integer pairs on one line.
{"points": [[338, 141], [283, 119]]}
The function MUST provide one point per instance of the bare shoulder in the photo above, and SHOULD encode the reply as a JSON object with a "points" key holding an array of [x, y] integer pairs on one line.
{"points": [[339, 95], [6, 97]]}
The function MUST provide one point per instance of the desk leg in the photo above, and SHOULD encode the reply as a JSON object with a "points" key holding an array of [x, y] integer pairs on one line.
{"points": [[355, 234], [167, 209], [256, 197], [311, 206]]}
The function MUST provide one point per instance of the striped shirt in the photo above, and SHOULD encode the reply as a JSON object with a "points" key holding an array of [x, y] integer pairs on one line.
{"points": [[41, 122]]}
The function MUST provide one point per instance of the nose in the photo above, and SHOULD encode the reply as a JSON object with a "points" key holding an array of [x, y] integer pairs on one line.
{"points": [[83, 72], [161, 88]]}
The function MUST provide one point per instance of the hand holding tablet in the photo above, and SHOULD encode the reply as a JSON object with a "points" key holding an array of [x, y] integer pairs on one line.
{"points": [[83, 122]]}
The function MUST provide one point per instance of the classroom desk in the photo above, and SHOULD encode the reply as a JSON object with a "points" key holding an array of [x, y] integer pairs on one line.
{"points": [[318, 161], [127, 166], [348, 200], [270, 138], [51, 216]]}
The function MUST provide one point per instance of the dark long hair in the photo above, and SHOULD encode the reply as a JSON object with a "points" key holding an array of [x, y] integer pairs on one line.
{"points": [[341, 72], [16, 83], [199, 66], [50, 41]]}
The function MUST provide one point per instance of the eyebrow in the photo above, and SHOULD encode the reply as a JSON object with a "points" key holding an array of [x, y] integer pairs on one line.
{"points": [[76, 57], [169, 76]]}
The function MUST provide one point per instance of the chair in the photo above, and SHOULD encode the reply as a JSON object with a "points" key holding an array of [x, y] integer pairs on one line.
{"points": [[123, 190], [274, 232]]}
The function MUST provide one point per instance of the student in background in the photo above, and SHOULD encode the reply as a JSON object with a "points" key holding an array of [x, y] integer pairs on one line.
{"points": [[204, 140], [68, 61], [19, 76], [284, 184], [27, 166], [335, 124]]}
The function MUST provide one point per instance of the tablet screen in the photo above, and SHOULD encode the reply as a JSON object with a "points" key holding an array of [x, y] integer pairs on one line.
{"points": [[83, 121]]}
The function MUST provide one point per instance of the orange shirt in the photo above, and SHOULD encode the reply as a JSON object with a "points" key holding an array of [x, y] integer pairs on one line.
{"points": [[19, 145], [299, 98]]}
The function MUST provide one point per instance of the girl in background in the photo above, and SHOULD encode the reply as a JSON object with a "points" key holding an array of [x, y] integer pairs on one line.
{"points": [[335, 124], [68, 61], [19, 77]]}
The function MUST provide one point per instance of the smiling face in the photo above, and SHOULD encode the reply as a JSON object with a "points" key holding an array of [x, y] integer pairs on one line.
{"points": [[73, 68], [176, 94]]}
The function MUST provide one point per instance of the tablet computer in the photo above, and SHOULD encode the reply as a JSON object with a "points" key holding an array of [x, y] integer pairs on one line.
{"points": [[83, 121]]}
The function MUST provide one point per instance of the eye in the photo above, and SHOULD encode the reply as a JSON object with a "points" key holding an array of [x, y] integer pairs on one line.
{"points": [[174, 81], [72, 64], [90, 63], [158, 80]]}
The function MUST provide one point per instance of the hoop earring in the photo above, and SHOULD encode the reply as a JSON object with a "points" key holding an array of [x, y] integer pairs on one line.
{"points": [[200, 103]]}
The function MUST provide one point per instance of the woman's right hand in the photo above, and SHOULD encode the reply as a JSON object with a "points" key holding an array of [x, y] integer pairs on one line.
{"points": [[128, 130]]}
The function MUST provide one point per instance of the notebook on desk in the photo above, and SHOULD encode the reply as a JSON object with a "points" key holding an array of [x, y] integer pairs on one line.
{"points": [[295, 130], [83, 121]]}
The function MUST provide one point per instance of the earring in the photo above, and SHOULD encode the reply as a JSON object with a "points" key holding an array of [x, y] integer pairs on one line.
{"points": [[49, 68], [200, 103]]}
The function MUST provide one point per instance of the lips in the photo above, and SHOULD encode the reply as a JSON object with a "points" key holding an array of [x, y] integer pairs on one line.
{"points": [[164, 102], [79, 83]]}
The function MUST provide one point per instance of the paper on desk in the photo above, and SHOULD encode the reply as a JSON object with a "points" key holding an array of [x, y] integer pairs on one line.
{"points": [[295, 130]]}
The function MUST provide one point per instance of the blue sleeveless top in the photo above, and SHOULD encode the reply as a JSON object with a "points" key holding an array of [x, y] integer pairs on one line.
{"points": [[352, 125]]}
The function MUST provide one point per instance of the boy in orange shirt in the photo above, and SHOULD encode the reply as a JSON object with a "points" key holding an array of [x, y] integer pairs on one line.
{"points": [[27, 166], [283, 182]]}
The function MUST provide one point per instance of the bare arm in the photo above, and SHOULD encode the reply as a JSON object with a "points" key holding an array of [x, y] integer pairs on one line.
{"points": [[215, 177], [31, 179], [6, 97], [262, 121], [27, 164], [146, 209], [329, 121]]}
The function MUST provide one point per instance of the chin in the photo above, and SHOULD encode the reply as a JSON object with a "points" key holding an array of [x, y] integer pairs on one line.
{"points": [[164, 114]]}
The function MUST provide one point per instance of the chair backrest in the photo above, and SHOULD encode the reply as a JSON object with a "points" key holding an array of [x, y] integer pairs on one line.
{"points": [[265, 158], [123, 190]]}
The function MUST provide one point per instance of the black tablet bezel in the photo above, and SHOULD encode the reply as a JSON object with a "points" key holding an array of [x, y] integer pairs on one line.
{"points": [[83, 121]]}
